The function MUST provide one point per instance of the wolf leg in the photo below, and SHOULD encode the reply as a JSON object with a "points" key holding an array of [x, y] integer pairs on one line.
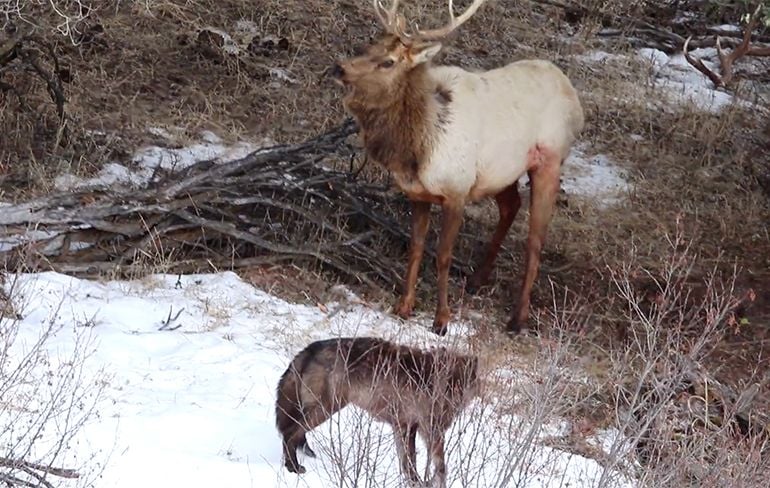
{"points": [[436, 450], [405, 447], [313, 415], [305, 447], [290, 443]]}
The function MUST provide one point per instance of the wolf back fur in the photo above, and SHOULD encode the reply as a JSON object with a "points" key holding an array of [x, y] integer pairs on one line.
{"points": [[410, 389]]}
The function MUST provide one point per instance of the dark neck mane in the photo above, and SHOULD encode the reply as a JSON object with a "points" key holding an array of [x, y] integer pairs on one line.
{"points": [[399, 136]]}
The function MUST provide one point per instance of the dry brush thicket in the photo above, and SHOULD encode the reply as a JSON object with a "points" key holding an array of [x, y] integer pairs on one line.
{"points": [[45, 400], [672, 358]]}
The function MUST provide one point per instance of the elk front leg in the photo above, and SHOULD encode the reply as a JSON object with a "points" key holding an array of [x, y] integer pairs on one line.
{"points": [[544, 188], [420, 223], [508, 203], [451, 219]]}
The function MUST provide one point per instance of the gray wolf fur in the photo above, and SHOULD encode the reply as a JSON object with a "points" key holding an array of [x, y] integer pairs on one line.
{"points": [[410, 389]]}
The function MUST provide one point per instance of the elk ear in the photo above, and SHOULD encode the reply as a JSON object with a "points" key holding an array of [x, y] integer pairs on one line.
{"points": [[422, 53]]}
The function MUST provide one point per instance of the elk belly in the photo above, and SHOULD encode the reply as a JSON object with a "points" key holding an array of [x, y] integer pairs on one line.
{"points": [[499, 169]]}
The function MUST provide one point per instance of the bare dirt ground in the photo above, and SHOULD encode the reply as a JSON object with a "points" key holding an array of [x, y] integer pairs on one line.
{"points": [[704, 175]]}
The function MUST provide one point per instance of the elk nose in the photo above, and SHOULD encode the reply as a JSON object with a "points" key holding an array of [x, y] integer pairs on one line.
{"points": [[337, 71]]}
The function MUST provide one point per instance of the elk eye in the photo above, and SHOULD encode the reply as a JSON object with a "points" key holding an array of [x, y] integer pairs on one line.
{"points": [[388, 63]]}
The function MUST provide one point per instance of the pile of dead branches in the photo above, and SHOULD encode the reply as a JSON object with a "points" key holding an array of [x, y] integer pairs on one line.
{"points": [[277, 204], [15, 472]]}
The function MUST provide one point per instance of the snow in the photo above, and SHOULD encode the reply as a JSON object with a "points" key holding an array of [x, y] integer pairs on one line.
{"points": [[8, 242], [596, 178], [681, 82], [193, 405], [673, 77], [148, 160], [736, 29]]}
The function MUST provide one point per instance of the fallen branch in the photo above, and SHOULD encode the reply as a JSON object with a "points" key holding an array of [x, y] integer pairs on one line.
{"points": [[278, 204], [643, 33], [36, 473]]}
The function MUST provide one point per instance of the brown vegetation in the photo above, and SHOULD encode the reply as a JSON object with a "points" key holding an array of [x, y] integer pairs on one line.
{"points": [[162, 63]]}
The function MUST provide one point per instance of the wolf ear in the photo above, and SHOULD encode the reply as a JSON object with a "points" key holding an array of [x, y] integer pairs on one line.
{"points": [[422, 53]]}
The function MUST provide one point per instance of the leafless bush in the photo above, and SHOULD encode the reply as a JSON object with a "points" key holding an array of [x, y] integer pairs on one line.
{"points": [[45, 400], [496, 441], [63, 16], [678, 424]]}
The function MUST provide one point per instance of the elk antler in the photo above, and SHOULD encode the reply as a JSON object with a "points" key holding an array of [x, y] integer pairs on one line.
{"points": [[454, 22], [391, 20], [726, 61]]}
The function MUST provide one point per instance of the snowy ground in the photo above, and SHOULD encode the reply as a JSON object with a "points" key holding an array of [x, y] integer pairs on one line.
{"points": [[190, 401], [673, 79], [193, 405]]}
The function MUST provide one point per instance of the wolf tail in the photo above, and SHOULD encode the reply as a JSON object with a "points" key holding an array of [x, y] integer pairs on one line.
{"points": [[288, 414]]}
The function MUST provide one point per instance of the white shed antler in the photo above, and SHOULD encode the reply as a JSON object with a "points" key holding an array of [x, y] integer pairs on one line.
{"points": [[726, 61]]}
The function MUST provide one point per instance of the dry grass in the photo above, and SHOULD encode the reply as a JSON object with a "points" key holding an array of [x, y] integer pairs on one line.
{"points": [[692, 171]]}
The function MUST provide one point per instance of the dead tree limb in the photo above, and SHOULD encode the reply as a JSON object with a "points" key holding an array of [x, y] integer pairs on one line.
{"points": [[18, 472], [277, 204]]}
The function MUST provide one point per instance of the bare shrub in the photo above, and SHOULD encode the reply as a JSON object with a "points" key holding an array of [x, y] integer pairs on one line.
{"points": [[678, 424], [65, 17], [496, 441], [45, 401]]}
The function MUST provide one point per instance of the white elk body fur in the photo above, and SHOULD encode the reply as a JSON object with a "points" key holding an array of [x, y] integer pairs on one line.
{"points": [[499, 123]]}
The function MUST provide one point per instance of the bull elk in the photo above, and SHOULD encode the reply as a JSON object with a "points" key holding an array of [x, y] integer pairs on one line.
{"points": [[451, 136]]}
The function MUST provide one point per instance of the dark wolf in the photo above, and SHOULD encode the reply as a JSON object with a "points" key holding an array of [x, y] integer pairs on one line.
{"points": [[410, 389]]}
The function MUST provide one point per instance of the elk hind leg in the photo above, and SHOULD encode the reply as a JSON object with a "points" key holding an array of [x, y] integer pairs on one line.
{"points": [[508, 203], [544, 178], [436, 452]]}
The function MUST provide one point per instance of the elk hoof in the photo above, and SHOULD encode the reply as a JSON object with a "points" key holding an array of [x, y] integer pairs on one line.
{"points": [[404, 308], [440, 329], [473, 285], [514, 327], [440, 326]]}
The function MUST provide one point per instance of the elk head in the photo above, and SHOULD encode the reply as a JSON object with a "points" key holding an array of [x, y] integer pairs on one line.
{"points": [[381, 72]]}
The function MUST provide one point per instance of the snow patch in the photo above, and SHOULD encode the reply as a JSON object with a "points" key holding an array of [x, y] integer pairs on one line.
{"points": [[727, 28], [196, 404], [148, 160], [674, 77], [9, 242], [598, 56], [597, 178], [682, 83]]}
